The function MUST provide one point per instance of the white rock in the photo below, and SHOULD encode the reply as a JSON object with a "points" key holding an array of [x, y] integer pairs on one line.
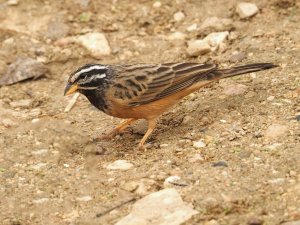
{"points": [[177, 36], [179, 16], [84, 198], [197, 47], [40, 200], [271, 98], [12, 2], [199, 144], [120, 165], [40, 152], [36, 120], [163, 145], [277, 181], [164, 207], [174, 181], [235, 89], [24, 103], [192, 27], [276, 131], [156, 4], [95, 43], [37, 166], [246, 9], [216, 24], [216, 39]]}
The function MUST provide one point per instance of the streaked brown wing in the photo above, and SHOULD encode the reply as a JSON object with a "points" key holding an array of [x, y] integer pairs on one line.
{"points": [[144, 83]]}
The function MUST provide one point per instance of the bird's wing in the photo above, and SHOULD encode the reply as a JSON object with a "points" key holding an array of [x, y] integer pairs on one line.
{"points": [[140, 84]]}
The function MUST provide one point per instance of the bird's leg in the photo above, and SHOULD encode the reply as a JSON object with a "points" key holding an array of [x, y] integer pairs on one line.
{"points": [[151, 125], [119, 128], [122, 126]]}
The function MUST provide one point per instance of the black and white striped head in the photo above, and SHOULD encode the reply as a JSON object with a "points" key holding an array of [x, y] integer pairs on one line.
{"points": [[87, 77]]}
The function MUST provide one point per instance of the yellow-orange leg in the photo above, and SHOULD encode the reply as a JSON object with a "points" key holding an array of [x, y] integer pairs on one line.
{"points": [[151, 125], [119, 128]]}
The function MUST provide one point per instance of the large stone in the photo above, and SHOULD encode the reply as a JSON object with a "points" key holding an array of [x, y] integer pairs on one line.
{"points": [[246, 9], [95, 43], [22, 69], [215, 24], [120, 165], [216, 39], [164, 207], [198, 47]]}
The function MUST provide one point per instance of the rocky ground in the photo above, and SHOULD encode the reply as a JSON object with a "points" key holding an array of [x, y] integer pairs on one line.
{"points": [[227, 154]]}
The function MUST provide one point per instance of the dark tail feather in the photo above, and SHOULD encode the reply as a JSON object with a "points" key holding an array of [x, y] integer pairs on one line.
{"points": [[250, 68]]}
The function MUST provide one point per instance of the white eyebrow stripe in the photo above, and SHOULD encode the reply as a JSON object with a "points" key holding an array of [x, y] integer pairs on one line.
{"points": [[94, 77], [95, 67]]}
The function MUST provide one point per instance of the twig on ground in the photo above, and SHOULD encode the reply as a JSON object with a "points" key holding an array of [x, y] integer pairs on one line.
{"points": [[72, 102]]}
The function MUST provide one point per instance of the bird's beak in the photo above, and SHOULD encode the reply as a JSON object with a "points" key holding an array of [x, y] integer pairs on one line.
{"points": [[70, 88]]}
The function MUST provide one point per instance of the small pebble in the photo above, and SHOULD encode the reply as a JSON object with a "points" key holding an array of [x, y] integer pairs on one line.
{"points": [[192, 27], [235, 89], [95, 43], [179, 16], [216, 39], [199, 144], [198, 47], [177, 36], [40, 152], [271, 98], [40, 201], [245, 9], [120, 165], [84, 198], [36, 120], [220, 164], [163, 145], [174, 181], [255, 221], [215, 24], [277, 181], [37, 166], [156, 4], [12, 2]]}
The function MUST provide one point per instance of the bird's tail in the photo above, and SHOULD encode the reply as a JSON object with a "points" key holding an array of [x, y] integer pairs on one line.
{"points": [[238, 70]]}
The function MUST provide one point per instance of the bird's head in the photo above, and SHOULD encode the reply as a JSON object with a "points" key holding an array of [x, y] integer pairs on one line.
{"points": [[87, 77]]}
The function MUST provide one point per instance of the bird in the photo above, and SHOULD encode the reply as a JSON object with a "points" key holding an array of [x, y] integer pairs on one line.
{"points": [[146, 91]]}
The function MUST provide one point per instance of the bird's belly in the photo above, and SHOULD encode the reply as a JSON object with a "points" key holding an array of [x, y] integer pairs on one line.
{"points": [[155, 108], [146, 111]]}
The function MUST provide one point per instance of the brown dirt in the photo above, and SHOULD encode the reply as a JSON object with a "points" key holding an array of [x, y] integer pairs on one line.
{"points": [[262, 177]]}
